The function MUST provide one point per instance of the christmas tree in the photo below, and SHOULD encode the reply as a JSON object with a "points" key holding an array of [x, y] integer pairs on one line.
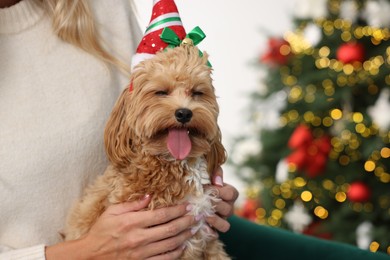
{"points": [[323, 168]]}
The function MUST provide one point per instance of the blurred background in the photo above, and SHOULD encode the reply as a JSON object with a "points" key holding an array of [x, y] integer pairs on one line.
{"points": [[304, 89]]}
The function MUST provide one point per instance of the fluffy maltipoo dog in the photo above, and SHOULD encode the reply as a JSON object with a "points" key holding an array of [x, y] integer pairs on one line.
{"points": [[163, 139]]}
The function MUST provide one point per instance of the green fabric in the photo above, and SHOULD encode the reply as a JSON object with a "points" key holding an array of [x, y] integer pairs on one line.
{"points": [[246, 240]]}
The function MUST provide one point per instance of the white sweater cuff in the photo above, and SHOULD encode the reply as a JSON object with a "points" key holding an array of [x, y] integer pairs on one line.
{"points": [[29, 253]]}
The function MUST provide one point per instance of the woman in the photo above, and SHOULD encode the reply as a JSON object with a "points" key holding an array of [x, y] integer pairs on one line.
{"points": [[63, 64]]}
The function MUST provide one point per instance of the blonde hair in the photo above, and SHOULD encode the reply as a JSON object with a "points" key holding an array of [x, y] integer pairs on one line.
{"points": [[73, 22]]}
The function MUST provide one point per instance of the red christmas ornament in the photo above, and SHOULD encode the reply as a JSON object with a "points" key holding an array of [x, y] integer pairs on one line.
{"points": [[358, 192], [316, 230], [300, 137], [248, 209], [350, 52], [278, 52], [310, 154]]}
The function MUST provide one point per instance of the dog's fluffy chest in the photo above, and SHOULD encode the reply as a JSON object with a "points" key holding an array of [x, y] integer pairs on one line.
{"points": [[202, 199], [198, 175]]}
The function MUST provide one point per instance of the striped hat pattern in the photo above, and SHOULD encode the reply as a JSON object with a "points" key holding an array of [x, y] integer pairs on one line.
{"points": [[164, 14]]}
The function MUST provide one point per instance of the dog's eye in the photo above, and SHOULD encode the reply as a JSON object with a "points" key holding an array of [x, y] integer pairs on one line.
{"points": [[197, 93], [161, 93]]}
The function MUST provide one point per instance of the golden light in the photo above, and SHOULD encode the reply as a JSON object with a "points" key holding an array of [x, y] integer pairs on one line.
{"points": [[367, 65], [293, 114], [283, 121], [280, 203], [385, 152], [295, 94], [285, 50], [336, 114], [369, 166], [276, 190], [336, 65], [328, 27], [260, 212], [329, 91], [354, 144], [316, 121], [297, 42], [344, 160], [321, 212], [277, 214], [357, 117], [299, 182], [372, 89], [346, 36], [310, 98], [385, 177], [379, 171], [328, 184], [358, 32], [327, 121], [374, 246], [308, 116], [341, 196], [341, 80], [322, 63], [272, 221], [290, 80], [348, 69], [360, 128], [324, 51], [306, 196], [346, 134]]}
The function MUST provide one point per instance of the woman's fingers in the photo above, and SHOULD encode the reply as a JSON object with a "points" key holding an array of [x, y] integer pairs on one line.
{"points": [[170, 229], [217, 178], [228, 193], [224, 209], [168, 248], [172, 255], [220, 224], [125, 207], [155, 217], [161, 239]]}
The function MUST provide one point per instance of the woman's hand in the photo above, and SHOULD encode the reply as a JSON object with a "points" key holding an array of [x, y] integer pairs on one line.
{"points": [[125, 232], [225, 208]]}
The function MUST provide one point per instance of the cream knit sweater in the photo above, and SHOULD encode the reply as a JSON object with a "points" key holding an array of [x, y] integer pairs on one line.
{"points": [[54, 102]]}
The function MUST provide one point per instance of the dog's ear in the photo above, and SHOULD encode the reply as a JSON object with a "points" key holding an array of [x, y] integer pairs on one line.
{"points": [[117, 136], [217, 155]]}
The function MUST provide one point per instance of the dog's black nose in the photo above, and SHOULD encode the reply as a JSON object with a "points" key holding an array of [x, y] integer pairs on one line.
{"points": [[183, 115]]}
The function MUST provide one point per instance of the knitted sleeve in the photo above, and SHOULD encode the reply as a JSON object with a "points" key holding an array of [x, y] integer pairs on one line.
{"points": [[29, 253]]}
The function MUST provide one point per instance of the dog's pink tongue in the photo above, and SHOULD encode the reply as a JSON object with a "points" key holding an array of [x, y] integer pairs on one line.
{"points": [[179, 143]]}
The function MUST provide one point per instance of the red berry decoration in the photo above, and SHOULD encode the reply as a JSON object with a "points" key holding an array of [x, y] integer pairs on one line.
{"points": [[350, 52], [278, 52], [309, 154], [248, 210], [358, 192]]}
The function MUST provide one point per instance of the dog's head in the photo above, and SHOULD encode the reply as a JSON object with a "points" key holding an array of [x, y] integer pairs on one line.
{"points": [[170, 111]]}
